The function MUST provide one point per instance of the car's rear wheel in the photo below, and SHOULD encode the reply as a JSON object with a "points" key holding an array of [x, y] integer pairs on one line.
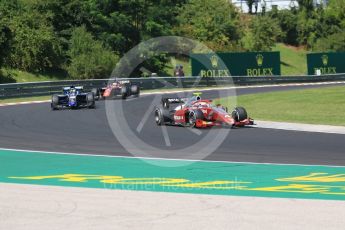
{"points": [[162, 116], [159, 116], [135, 90], [91, 100], [138, 92], [96, 93], [239, 114], [124, 92]]}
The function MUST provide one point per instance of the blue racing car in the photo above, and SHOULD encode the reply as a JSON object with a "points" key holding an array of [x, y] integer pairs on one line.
{"points": [[73, 97]]}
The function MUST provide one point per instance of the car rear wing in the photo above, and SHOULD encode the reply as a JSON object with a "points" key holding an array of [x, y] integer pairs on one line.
{"points": [[172, 100], [69, 87], [177, 100], [124, 81]]}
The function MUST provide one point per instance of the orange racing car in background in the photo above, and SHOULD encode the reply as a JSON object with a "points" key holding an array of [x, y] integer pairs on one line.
{"points": [[117, 88]]}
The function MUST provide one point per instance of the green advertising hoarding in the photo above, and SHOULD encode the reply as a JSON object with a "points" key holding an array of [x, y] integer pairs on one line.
{"points": [[326, 63], [235, 64]]}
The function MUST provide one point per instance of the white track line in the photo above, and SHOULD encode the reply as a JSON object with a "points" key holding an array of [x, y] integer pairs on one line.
{"points": [[24, 103], [301, 127], [168, 159]]}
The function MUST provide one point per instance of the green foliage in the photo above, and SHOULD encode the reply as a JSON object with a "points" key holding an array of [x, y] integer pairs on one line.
{"points": [[5, 42], [15, 75], [34, 46], [333, 42], [333, 36], [309, 27], [36, 35], [262, 34], [121, 24], [6, 35], [214, 22], [113, 27], [6, 78], [88, 57], [313, 27], [336, 11], [287, 20]]}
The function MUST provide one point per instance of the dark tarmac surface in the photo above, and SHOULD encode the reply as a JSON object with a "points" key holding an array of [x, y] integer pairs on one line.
{"points": [[87, 131]]}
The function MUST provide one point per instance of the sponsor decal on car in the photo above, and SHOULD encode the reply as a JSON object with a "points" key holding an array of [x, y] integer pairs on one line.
{"points": [[178, 117], [174, 100]]}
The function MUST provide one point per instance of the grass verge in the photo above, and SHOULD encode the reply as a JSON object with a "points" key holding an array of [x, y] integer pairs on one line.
{"points": [[24, 99], [293, 60], [14, 75], [311, 106]]}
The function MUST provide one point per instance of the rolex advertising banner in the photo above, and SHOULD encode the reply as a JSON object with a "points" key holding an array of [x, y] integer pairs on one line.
{"points": [[236, 64], [326, 63]]}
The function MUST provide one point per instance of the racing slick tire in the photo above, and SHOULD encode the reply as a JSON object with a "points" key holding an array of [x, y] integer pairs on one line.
{"points": [[124, 93], [90, 98], [138, 92], [239, 114], [159, 118], [195, 115], [135, 90], [55, 102], [162, 116], [96, 93]]}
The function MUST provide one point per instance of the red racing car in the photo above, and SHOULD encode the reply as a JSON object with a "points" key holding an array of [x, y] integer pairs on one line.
{"points": [[118, 88], [198, 113]]}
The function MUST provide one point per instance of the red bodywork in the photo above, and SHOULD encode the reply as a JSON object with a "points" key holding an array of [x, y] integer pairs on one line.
{"points": [[107, 91], [213, 115]]}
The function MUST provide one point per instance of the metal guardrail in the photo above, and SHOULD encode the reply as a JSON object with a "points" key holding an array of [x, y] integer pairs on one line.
{"points": [[14, 90]]}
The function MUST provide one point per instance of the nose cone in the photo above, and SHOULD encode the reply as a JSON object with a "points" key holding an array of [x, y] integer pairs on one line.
{"points": [[226, 118], [72, 103], [107, 92]]}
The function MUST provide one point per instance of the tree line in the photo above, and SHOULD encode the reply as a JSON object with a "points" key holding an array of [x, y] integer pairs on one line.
{"points": [[86, 38]]}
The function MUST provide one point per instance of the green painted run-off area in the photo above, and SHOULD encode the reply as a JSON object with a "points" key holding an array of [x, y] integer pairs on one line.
{"points": [[217, 178]]}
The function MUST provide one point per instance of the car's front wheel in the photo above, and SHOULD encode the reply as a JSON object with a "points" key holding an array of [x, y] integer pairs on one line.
{"points": [[239, 114], [195, 115], [159, 116], [55, 102]]}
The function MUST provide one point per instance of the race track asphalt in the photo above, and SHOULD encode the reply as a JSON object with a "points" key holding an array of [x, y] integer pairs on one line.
{"points": [[87, 131]]}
